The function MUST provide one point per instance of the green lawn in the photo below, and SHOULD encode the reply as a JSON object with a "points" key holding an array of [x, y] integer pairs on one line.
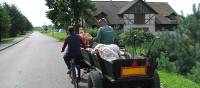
{"points": [[57, 35], [172, 80], [7, 40]]}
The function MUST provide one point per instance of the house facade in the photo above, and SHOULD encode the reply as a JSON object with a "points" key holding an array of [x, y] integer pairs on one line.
{"points": [[137, 14]]}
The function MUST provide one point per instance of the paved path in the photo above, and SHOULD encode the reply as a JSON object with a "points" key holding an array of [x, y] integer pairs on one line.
{"points": [[36, 62]]}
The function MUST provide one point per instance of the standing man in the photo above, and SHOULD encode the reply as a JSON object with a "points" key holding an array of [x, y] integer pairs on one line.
{"points": [[73, 42], [105, 34]]}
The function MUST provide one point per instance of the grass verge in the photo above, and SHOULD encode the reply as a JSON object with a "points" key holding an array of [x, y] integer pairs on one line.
{"points": [[7, 40], [57, 35], [172, 80]]}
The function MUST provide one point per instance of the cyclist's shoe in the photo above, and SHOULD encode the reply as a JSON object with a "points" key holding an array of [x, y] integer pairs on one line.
{"points": [[79, 78], [68, 72]]}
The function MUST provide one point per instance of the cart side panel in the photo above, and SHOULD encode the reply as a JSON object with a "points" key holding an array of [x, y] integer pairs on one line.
{"points": [[87, 57]]}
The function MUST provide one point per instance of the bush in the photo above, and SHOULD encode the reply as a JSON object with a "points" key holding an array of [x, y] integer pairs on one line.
{"points": [[92, 31], [117, 34], [135, 36], [195, 73], [164, 63], [179, 50]]}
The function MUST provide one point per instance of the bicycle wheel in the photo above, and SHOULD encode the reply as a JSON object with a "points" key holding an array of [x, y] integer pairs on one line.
{"points": [[74, 77]]}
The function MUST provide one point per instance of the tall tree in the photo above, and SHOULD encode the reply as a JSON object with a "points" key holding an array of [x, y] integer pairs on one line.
{"points": [[18, 21], [196, 11], [87, 9], [59, 12], [68, 12], [4, 23]]}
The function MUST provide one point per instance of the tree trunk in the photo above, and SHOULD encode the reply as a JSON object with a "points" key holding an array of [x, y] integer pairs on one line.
{"points": [[76, 17]]}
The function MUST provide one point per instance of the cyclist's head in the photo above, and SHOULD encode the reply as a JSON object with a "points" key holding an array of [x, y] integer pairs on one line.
{"points": [[71, 29], [102, 22]]}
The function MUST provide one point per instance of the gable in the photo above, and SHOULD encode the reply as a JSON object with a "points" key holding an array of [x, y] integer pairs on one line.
{"points": [[136, 6], [140, 7]]}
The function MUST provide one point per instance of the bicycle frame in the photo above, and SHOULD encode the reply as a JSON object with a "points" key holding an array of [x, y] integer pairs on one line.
{"points": [[74, 73]]}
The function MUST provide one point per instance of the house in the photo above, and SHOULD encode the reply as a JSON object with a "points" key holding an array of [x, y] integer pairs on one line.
{"points": [[137, 14]]}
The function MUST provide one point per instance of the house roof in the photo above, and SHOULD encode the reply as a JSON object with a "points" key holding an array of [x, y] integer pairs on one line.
{"points": [[130, 4], [113, 8], [110, 9], [163, 8]]}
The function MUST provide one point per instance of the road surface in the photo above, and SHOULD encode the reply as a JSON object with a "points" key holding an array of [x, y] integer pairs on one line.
{"points": [[36, 62]]}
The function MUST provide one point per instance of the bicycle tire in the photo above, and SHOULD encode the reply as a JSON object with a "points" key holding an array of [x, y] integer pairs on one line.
{"points": [[73, 73]]}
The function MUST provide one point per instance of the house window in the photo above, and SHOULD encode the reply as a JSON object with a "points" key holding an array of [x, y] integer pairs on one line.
{"points": [[129, 19], [139, 18]]}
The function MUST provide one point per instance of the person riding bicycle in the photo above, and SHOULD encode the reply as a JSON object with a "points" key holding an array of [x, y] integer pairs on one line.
{"points": [[105, 34], [73, 41]]}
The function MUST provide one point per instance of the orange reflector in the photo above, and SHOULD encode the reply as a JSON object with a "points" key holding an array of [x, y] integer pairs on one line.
{"points": [[133, 71]]}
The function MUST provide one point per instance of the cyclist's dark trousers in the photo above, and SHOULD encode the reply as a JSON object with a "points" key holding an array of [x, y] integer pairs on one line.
{"points": [[67, 62]]}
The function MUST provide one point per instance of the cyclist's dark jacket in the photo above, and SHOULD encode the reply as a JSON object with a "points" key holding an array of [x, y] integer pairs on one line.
{"points": [[73, 41]]}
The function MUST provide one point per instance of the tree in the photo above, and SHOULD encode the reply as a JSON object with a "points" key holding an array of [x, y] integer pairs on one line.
{"points": [[19, 23], [70, 12], [4, 23], [59, 12], [183, 48], [45, 28], [87, 9]]}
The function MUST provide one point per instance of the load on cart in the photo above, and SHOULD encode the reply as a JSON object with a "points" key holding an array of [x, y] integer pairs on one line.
{"points": [[112, 67]]}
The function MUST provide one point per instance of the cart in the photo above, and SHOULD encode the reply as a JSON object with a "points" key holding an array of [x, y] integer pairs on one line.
{"points": [[121, 73]]}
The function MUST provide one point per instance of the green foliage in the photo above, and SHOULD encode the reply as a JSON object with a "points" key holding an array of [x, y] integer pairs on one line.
{"points": [[172, 80], [4, 23], [12, 21], [117, 36], [92, 31], [67, 12], [45, 28], [136, 51], [179, 50], [182, 49], [164, 63], [195, 73], [7, 40], [135, 36], [19, 23]]}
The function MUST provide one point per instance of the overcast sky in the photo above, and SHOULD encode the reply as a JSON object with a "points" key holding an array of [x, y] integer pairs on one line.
{"points": [[35, 10]]}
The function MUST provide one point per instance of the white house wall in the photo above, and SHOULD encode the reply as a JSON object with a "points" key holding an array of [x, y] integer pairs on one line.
{"points": [[150, 27], [150, 24]]}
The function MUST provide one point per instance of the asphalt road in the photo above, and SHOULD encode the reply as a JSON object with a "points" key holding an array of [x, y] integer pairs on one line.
{"points": [[36, 62]]}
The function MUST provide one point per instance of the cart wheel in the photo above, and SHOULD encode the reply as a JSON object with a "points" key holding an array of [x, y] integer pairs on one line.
{"points": [[95, 80], [155, 83]]}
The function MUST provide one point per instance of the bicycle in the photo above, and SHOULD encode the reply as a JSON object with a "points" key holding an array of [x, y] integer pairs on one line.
{"points": [[74, 73]]}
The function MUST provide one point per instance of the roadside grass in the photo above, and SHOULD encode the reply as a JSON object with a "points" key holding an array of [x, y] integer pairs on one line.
{"points": [[57, 35], [7, 40], [11, 39], [172, 80]]}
